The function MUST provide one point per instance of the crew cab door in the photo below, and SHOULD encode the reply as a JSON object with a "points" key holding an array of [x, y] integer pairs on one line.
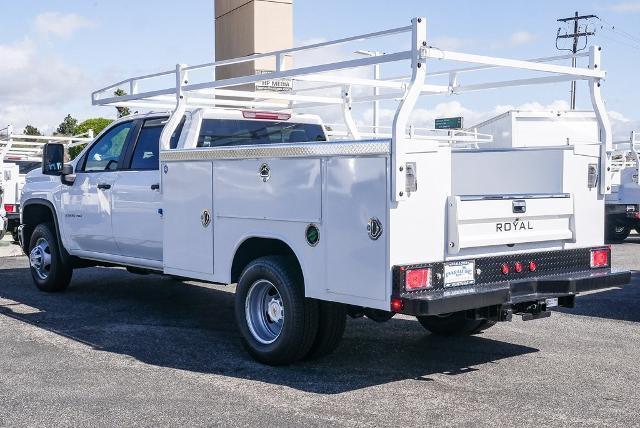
{"points": [[86, 204], [137, 215]]}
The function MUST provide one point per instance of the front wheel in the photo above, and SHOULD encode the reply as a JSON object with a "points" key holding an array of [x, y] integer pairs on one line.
{"points": [[48, 270], [278, 324], [454, 324]]}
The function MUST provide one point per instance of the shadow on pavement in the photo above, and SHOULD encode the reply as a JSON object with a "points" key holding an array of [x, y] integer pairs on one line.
{"points": [[191, 327], [618, 303]]}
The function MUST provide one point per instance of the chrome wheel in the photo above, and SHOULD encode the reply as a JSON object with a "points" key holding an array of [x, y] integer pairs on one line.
{"points": [[264, 311], [40, 258]]}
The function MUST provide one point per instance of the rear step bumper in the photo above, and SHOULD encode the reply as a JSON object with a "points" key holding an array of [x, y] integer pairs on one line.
{"points": [[463, 298]]}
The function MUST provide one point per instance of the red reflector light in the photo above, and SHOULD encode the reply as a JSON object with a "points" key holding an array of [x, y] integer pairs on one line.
{"points": [[533, 266], [396, 304], [600, 258], [9, 208], [416, 279], [504, 269], [249, 114], [518, 267]]}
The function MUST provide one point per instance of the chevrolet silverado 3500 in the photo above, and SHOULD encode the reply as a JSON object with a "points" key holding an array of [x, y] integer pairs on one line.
{"points": [[457, 235]]}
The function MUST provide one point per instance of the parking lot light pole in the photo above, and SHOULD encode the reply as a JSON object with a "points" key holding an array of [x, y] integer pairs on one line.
{"points": [[376, 90]]}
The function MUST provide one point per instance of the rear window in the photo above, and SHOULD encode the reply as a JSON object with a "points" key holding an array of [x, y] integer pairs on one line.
{"points": [[225, 132]]}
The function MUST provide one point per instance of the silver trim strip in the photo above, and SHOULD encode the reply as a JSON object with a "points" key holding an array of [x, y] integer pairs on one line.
{"points": [[373, 147], [510, 197]]}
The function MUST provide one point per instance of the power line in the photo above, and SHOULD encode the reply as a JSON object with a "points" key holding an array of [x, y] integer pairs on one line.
{"points": [[577, 34]]}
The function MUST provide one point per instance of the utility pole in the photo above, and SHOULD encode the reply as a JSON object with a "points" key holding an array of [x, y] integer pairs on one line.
{"points": [[376, 90], [576, 37]]}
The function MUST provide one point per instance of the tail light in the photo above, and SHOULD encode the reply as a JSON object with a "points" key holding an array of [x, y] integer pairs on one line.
{"points": [[600, 257], [9, 208], [532, 266], [518, 267], [417, 279], [250, 114]]}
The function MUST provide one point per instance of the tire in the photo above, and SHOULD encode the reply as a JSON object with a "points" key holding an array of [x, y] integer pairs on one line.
{"points": [[454, 324], [484, 325], [14, 236], [277, 323], [617, 232], [332, 321], [48, 269], [637, 228]]}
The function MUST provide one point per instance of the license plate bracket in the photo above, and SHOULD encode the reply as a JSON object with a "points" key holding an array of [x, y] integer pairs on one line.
{"points": [[459, 273]]}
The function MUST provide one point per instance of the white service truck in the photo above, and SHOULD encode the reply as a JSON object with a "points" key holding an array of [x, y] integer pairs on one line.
{"points": [[622, 205], [313, 230]]}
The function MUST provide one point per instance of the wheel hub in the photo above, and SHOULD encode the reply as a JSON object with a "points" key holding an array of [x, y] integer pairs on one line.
{"points": [[275, 310], [40, 258]]}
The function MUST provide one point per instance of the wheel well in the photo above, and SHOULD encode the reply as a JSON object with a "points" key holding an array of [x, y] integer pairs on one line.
{"points": [[33, 215], [254, 248]]}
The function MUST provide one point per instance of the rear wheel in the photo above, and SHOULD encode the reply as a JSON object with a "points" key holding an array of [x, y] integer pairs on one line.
{"points": [[617, 232], [48, 269], [454, 324], [278, 324], [332, 320]]}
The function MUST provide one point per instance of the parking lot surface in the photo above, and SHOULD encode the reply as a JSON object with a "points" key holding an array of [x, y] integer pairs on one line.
{"points": [[122, 349]]}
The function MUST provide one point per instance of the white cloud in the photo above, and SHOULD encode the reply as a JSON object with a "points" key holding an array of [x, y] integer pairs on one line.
{"points": [[627, 6], [36, 87], [452, 43], [522, 38], [60, 25]]}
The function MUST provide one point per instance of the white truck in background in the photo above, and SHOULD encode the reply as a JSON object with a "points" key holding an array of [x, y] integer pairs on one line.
{"points": [[20, 154], [622, 205], [235, 186]]}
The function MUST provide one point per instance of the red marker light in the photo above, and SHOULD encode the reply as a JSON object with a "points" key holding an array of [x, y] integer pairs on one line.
{"points": [[504, 269], [396, 304], [533, 266], [518, 267], [9, 208]]}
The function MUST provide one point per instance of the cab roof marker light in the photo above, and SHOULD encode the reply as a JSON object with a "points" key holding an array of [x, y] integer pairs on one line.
{"points": [[267, 115]]}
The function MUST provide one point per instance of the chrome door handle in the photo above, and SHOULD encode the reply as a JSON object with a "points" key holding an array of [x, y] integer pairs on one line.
{"points": [[104, 186]]}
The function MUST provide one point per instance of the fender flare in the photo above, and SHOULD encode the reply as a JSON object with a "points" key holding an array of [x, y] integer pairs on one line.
{"points": [[52, 209]]}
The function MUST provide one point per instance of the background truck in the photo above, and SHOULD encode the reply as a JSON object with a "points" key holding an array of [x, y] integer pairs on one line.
{"points": [[622, 206], [311, 230], [19, 154]]}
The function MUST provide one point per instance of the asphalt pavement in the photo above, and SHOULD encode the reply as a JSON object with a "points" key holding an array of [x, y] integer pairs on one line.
{"points": [[119, 349]]}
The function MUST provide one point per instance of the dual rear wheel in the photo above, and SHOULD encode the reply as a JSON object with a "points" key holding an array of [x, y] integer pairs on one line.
{"points": [[278, 324]]}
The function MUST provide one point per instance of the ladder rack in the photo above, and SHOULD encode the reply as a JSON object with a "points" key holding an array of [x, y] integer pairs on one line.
{"points": [[405, 91]]}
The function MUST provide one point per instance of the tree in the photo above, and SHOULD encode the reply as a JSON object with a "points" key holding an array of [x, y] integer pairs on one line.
{"points": [[97, 124], [68, 126], [122, 111], [31, 130]]}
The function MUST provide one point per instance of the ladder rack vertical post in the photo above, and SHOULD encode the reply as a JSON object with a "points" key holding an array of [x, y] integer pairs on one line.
{"points": [[604, 125], [401, 119]]}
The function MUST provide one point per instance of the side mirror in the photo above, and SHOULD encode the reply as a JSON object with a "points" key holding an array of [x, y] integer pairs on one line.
{"points": [[53, 159]]}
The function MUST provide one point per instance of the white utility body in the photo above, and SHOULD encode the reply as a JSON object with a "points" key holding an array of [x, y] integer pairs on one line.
{"points": [[407, 222], [622, 205]]}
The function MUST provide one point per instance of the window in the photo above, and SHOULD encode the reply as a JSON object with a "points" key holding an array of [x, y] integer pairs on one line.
{"points": [[145, 155], [225, 132], [105, 154], [27, 166]]}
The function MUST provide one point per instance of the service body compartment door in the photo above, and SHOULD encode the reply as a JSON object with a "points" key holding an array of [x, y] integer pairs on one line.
{"points": [[356, 193], [187, 206], [482, 221]]}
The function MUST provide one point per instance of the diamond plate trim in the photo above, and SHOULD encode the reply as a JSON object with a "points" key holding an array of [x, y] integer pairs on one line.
{"points": [[278, 151]]}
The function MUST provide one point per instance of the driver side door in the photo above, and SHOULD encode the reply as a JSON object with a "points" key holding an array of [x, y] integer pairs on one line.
{"points": [[87, 203]]}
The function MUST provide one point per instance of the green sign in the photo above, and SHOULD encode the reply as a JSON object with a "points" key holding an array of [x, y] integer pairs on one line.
{"points": [[449, 123]]}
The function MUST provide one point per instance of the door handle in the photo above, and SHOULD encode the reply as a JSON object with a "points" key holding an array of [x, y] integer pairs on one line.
{"points": [[155, 186], [104, 186]]}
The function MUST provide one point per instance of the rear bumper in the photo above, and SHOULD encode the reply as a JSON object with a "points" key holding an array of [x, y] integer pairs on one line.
{"points": [[510, 293]]}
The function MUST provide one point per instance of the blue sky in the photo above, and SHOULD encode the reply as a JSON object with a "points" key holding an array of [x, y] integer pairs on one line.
{"points": [[53, 53]]}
